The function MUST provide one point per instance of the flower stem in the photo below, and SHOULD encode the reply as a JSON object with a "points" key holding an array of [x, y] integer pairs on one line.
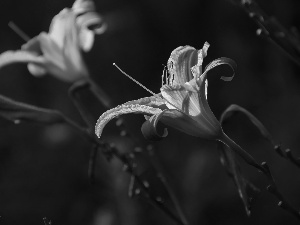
{"points": [[241, 152], [100, 94], [74, 94], [109, 151], [286, 39], [272, 188]]}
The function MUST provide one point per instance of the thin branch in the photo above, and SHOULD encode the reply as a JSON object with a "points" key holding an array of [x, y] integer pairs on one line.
{"points": [[101, 95], [264, 168], [104, 99], [162, 178], [287, 40], [272, 188], [130, 168], [287, 154], [109, 150], [74, 94]]}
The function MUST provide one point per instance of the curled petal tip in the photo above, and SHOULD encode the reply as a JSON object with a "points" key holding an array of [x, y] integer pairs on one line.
{"points": [[120, 110], [10, 57], [218, 62], [149, 128]]}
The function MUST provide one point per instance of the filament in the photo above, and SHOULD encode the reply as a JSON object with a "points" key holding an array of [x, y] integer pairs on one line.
{"points": [[134, 80], [18, 31]]}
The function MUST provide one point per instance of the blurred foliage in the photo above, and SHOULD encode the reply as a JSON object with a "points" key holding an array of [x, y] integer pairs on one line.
{"points": [[43, 170]]}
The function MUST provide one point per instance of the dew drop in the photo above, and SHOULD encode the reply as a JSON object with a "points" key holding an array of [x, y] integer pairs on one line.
{"points": [[119, 122]]}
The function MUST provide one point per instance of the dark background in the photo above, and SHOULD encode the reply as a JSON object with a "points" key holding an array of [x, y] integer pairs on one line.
{"points": [[43, 169]]}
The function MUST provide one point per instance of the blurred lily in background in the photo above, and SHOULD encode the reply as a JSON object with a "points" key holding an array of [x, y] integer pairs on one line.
{"points": [[59, 51]]}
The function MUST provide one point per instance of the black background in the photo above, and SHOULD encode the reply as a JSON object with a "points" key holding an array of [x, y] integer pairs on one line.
{"points": [[43, 170]]}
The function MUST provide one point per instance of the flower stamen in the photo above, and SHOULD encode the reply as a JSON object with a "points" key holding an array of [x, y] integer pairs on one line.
{"points": [[134, 80], [18, 31]]}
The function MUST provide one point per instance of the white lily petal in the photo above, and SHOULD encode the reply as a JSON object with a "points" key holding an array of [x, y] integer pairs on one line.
{"points": [[197, 126], [60, 26], [120, 110], [153, 101], [179, 97], [36, 70], [65, 63], [204, 84], [83, 6], [218, 62], [179, 64], [10, 57], [86, 39]]}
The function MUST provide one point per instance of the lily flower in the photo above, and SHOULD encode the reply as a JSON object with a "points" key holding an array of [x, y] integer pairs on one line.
{"points": [[59, 51], [182, 101]]}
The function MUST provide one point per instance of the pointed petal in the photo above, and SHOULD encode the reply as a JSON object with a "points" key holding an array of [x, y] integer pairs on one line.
{"points": [[20, 56], [180, 63], [129, 107], [204, 84], [33, 45], [149, 129], [153, 101], [83, 6], [60, 26], [202, 53]]}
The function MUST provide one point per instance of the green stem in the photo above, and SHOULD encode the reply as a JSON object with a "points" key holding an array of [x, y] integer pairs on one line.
{"points": [[241, 152], [100, 94]]}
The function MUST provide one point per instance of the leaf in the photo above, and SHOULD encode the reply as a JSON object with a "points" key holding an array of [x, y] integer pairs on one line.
{"points": [[233, 169], [228, 159], [19, 111], [228, 113]]}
